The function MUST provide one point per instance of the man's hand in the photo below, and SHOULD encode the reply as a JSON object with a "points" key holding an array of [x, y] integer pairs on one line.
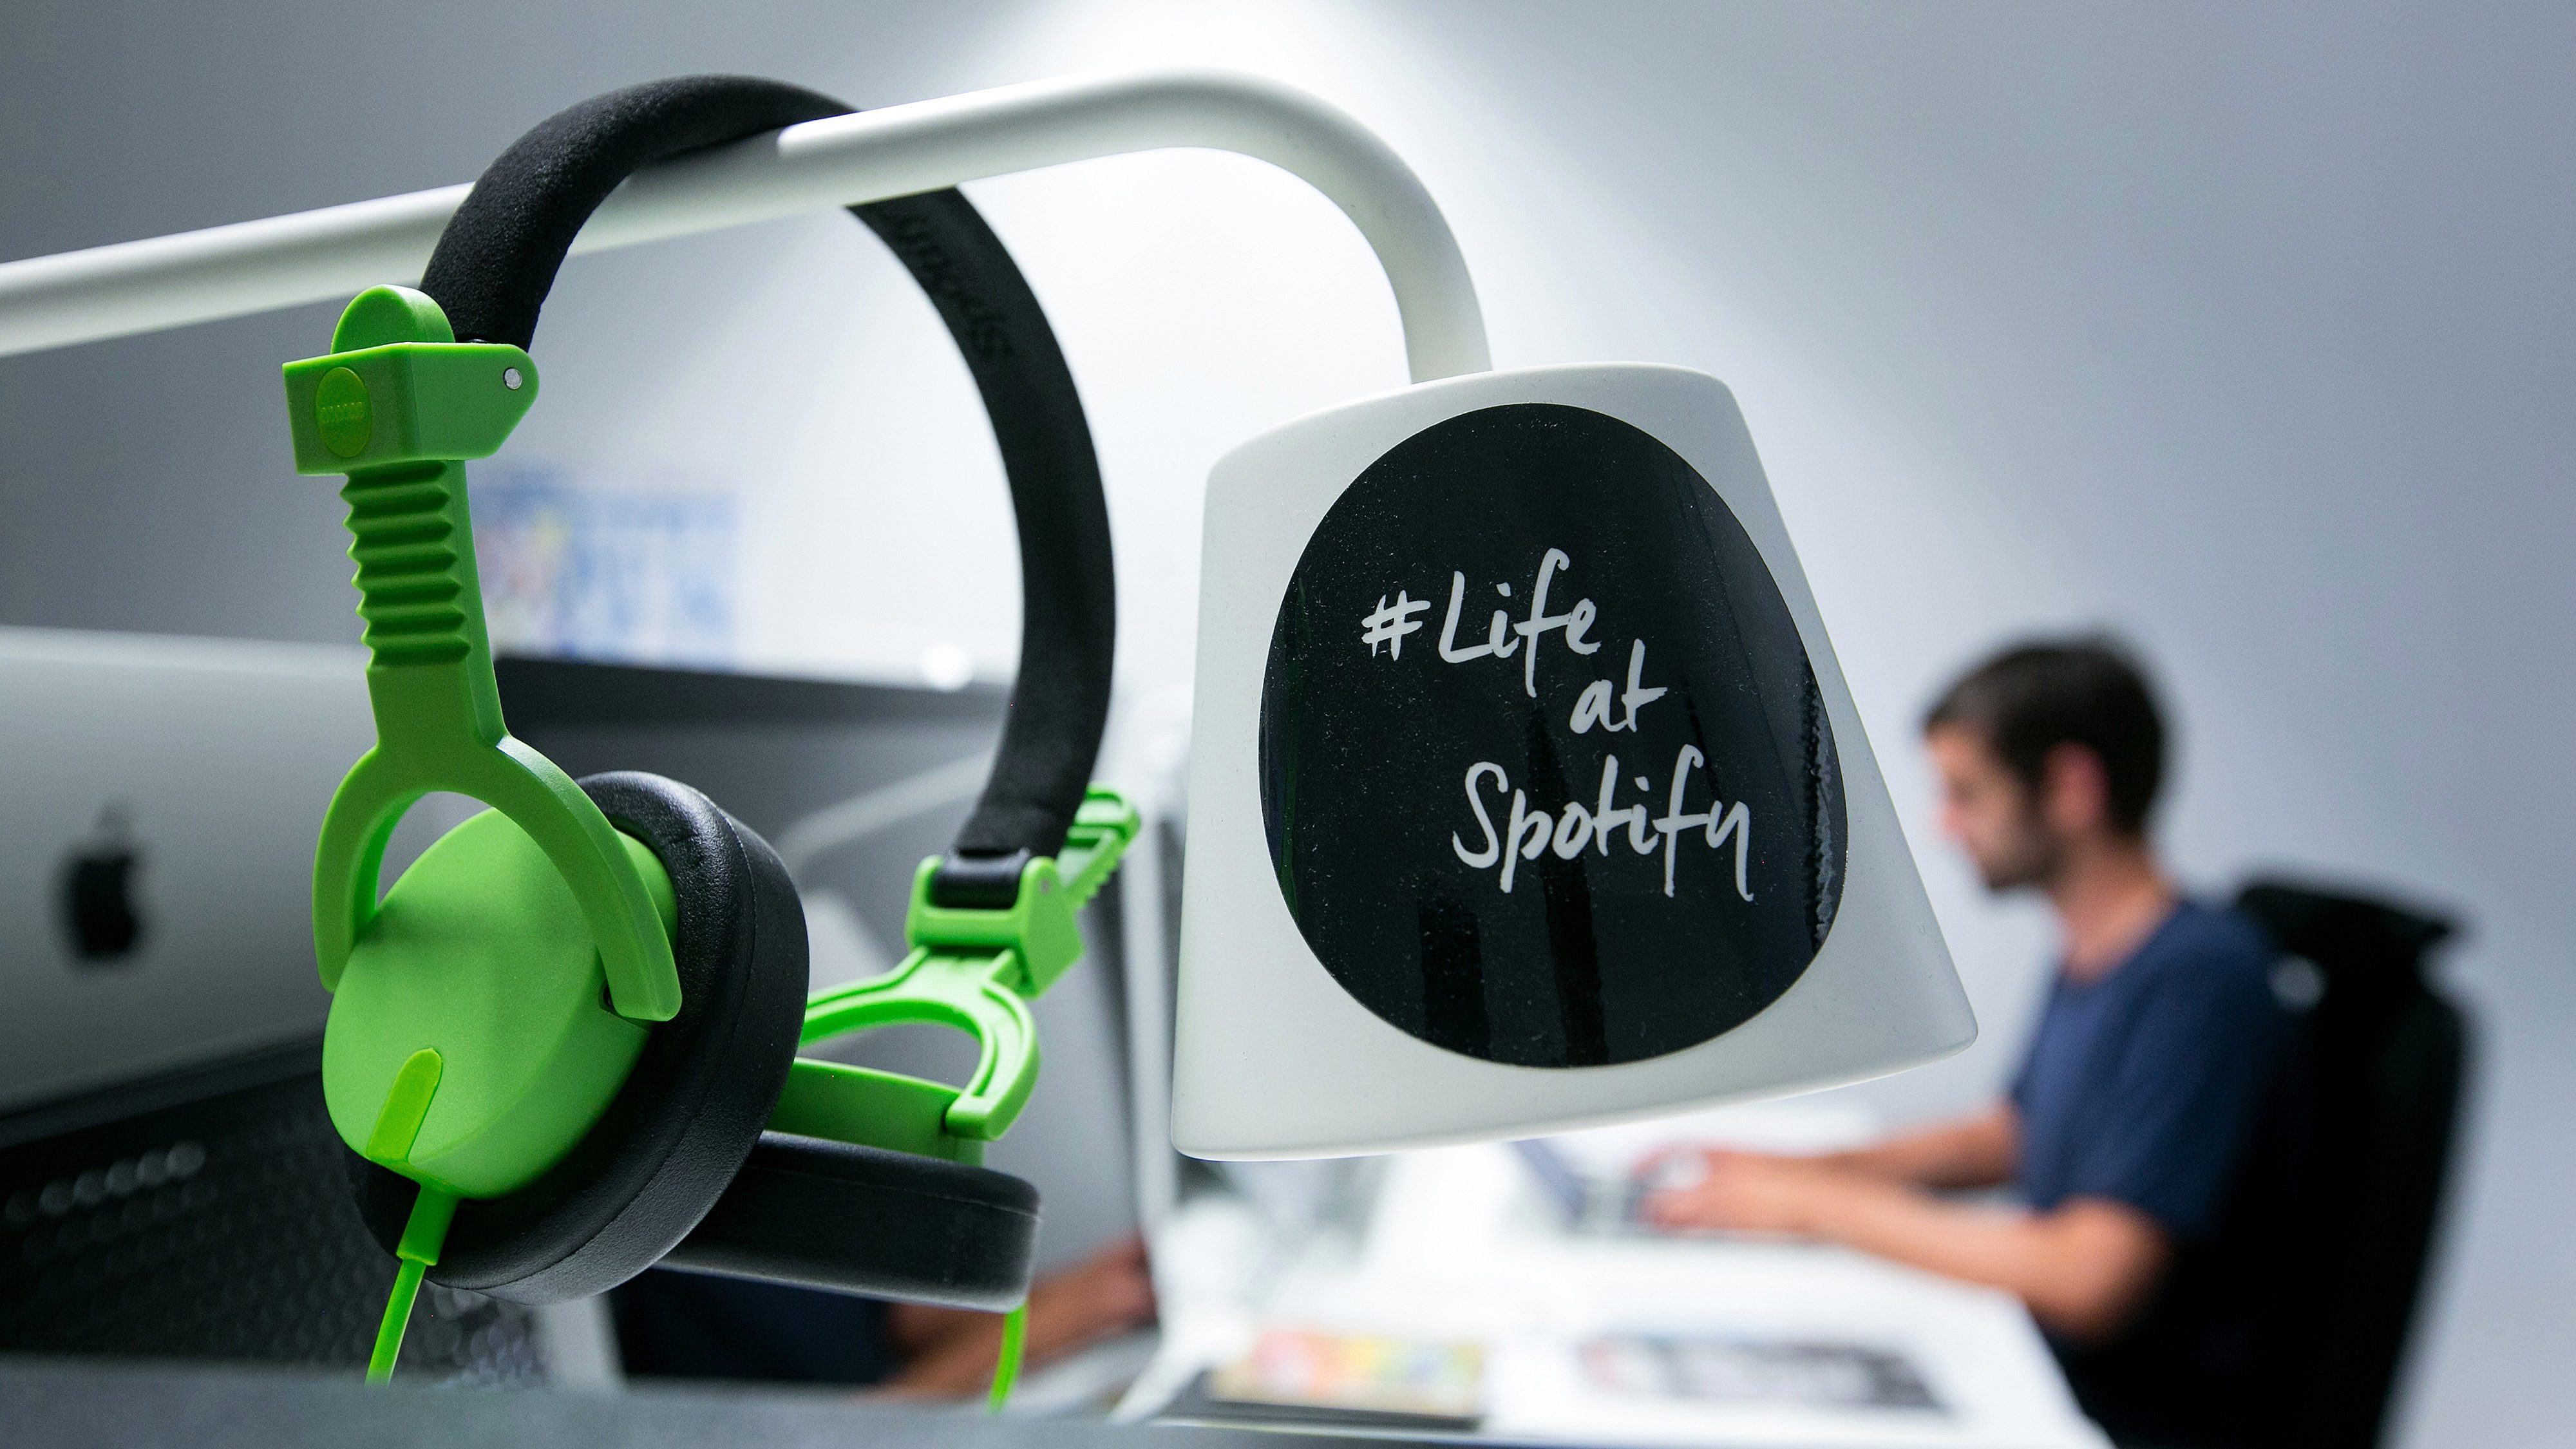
{"points": [[2084, 1268], [1735, 1192]]}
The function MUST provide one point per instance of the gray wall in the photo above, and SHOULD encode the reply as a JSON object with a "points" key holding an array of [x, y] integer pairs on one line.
{"points": [[2245, 332]]}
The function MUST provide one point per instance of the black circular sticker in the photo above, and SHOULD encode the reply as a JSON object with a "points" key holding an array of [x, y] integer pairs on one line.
{"points": [[1544, 771]]}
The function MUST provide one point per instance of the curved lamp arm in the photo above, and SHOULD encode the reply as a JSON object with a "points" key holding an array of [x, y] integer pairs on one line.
{"points": [[254, 266]]}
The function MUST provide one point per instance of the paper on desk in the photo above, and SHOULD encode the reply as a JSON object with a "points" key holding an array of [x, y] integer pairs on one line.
{"points": [[1307, 1368], [1447, 1254], [1450, 1255]]}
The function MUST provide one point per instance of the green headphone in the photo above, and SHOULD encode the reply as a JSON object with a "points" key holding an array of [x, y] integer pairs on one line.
{"points": [[562, 1047]]}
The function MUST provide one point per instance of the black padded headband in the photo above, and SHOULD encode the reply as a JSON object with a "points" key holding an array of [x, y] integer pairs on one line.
{"points": [[498, 258]]}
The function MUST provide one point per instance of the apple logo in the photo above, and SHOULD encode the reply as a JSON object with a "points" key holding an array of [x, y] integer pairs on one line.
{"points": [[98, 892]]}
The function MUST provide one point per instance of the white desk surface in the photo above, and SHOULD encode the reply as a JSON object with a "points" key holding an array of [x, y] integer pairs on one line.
{"points": [[1459, 1246]]}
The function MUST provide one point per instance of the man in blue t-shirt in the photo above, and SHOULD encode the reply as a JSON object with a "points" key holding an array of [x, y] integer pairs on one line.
{"points": [[2126, 1129]]}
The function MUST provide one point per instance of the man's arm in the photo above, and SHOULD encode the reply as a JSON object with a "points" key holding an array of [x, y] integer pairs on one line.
{"points": [[949, 1352], [1979, 1150], [2083, 1268]]}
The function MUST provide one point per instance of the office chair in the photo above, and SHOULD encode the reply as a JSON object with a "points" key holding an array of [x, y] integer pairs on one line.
{"points": [[2283, 1326], [2384, 1057], [205, 1214]]}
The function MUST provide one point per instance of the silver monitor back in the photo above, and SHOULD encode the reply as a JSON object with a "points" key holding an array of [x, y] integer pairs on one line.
{"points": [[159, 799], [158, 804]]}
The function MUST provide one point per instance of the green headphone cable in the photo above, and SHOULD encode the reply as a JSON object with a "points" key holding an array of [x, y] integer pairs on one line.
{"points": [[423, 1235], [1006, 1364]]}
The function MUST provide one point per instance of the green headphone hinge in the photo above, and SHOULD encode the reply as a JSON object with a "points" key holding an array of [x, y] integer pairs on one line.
{"points": [[975, 970], [1038, 928]]}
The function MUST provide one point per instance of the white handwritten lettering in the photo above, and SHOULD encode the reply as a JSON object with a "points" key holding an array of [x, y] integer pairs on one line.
{"points": [[1606, 819], [1738, 823], [1635, 699], [1524, 838], [1578, 625], [1388, 626], [1592, 707], [1523, 830], [1528, 831], [1573, 831], [1495, 644], [1673, 819], [1540, 621], [1479, 859]]}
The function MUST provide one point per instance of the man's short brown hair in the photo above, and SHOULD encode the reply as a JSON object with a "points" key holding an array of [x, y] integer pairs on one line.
{"points": [[2035, 696]]}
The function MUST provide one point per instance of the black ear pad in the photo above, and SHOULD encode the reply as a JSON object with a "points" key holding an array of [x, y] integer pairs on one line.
{"points": [[692, 1108], [865, 1220]]}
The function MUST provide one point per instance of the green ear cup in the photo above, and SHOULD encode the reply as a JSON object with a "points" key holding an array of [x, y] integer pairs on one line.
{"points": [[470, 1043], [668, 1143]]}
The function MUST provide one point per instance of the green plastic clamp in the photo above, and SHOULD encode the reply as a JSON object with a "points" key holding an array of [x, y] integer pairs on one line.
{"points": [[973, 970], [398, 406]]}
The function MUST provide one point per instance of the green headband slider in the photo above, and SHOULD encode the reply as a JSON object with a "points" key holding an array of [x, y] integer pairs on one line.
{"points": [[398, 388], [398, 405]]}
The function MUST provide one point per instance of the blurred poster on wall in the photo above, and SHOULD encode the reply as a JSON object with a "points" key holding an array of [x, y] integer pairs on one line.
{"points": [[592, 569]]}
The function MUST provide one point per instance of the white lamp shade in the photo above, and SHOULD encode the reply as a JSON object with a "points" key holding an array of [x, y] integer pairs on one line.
{"points": [[1525, 792]]}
